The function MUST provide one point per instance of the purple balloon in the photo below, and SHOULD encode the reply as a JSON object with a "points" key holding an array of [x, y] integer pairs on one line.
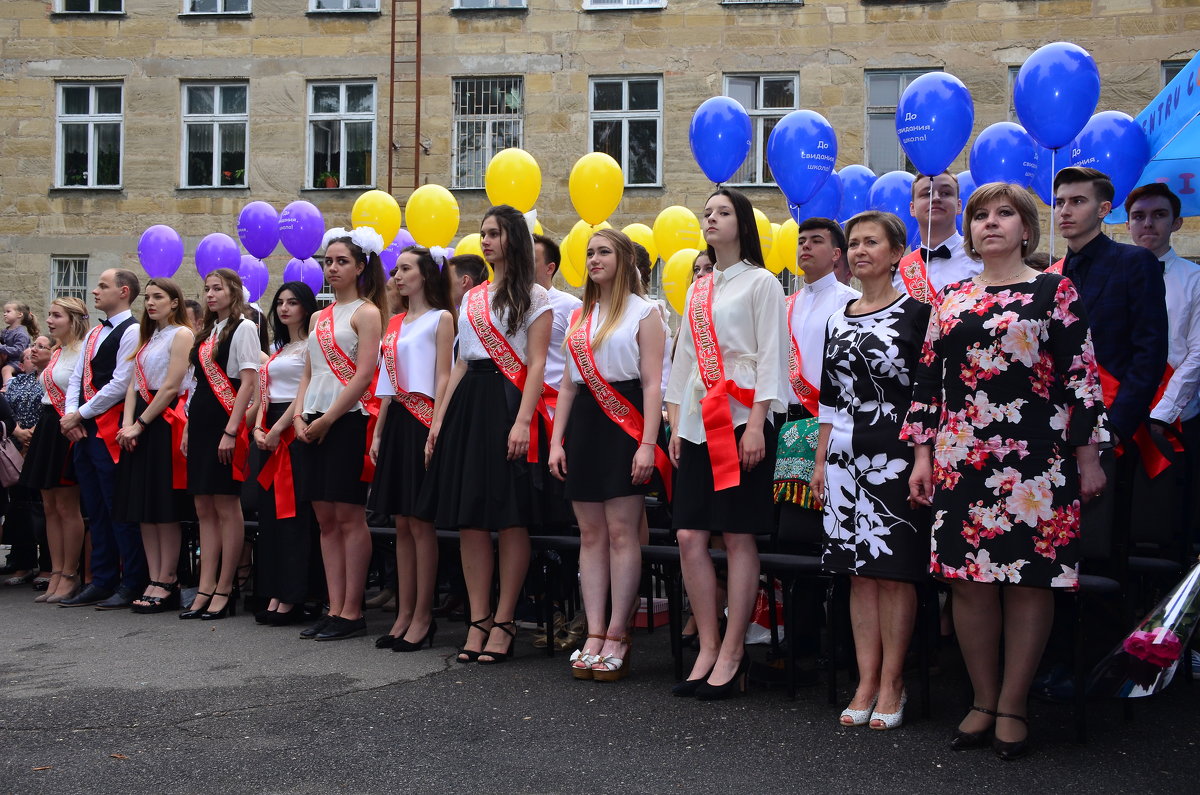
{"points": [[301, 229], [305, 270], [160, 251], [254, 275], [403, 240], [258, 229], [217, 251]]}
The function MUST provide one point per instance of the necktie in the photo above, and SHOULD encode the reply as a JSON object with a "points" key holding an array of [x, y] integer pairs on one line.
{"points": [[941, 252]]}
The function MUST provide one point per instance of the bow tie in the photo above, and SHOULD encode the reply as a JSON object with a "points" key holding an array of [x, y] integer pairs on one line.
{"points": [[941, 252], [106, 322]]}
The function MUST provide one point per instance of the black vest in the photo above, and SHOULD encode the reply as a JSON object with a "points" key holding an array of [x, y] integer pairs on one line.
{"points": [[104, 362]]}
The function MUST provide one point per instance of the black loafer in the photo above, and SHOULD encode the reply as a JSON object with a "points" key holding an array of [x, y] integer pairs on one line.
{"points": [[121, 600], [90, 595], [318, 627], [342, 628]]}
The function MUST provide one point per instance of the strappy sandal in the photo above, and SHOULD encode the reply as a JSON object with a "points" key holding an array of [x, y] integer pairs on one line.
{"points": [[159, 604], [613, 668], [496, 657], [467, 655], [584, 670]]}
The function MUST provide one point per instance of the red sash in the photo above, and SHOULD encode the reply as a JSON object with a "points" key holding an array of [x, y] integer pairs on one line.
{"points": [[506, 359], [222, 387], [804, 390], [344, 368], [58, 398], [612, 403], [108, 423], [276, 471], [714, 406], [916, 278], [175, 417], [1153, 460], [418, 405], [1057, 267]]}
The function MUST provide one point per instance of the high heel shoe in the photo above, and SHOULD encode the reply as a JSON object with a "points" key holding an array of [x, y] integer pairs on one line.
{"points": [[229, 609], [966, 741], [160, 604], [735, 686], [687, 688], [196, 612], [466, 655], [890, 720], [386, 641], [409, 645], [496, 657], [46, 592], [583, 670], [614, 668], [858, 717], [1015, 750]]}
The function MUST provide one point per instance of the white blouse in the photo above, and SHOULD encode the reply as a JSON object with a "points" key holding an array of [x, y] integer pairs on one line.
{"points": [[244, 354], [155, 357], [750, 321], [416, 357], [619, 357], [284, 373], [323, 386], [814, 304], [469, 346], [63, 369]]}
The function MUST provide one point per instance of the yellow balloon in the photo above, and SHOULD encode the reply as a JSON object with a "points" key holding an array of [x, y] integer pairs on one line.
{"points": [[765, 239], [378, 210], [513, 177], [774, 263], [676, 228], [786, 243], [575, 244], [537, 228], [570, 271], [644, 236], [432, 215], [677, 277], [596, 186], [469, 245]]}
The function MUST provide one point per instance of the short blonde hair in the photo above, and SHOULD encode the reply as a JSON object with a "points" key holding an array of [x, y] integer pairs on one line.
{"points": [[1021, 200]]}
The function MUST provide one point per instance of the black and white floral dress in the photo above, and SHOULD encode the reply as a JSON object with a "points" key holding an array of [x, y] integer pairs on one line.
{"points": [[866, 388]]}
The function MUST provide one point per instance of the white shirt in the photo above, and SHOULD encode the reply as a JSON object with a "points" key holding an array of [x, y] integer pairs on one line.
{"points": [[469, 346], [113, 392], [1179, 401], [750, 323], [416, 357], [244, 354], [64, 368], [563, 305], [155, 356], [619, 356], [940, 271], [323, 386], [810, 315], [285, 371]]}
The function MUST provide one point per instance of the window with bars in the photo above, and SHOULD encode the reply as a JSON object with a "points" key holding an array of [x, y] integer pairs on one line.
{"points": [[69, 278], [884, 89], [767, 98], [90, 129], [489, 116], [341, 135], [626, 123], [216, 6], [91, 6], [343, 5], [215, 135], [1170, 69]]}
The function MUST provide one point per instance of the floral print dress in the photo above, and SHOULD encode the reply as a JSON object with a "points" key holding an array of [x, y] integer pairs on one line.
{"points": [[866, 387], [1007, 388]]}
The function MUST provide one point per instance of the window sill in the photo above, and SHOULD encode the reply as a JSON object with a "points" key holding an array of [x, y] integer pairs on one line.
{"points": [[68, 189], [603, 7], [203, 15], [214, 188], [486, 9], [768, 2], [344, 12], [339, 189], [86, 14]]}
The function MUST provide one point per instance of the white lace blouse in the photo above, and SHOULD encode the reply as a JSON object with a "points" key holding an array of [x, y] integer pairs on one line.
{"points": [[323, 386], [469, 346]]}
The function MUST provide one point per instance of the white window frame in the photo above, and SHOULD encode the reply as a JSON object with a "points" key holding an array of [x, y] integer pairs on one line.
{"points": [[91, 120], [59, 288], [622, 5], [342, 117], [907, 76], [215, 119], [314, 9], [1171, 68], [489, 120], [489, 5], [758, 116], [60, 7], [221, 11], [625, 116], [1013, 71]]}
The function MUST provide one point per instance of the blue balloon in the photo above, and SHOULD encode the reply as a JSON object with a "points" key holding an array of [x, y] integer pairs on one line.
{"points": [[914, 232], [934, 120], [1004, 152], [856, 186], [966, 185], [721, 137], [1055, 92], [1043, 181], [1115, 144], [824, 205], [801, 152], [892, 193]]}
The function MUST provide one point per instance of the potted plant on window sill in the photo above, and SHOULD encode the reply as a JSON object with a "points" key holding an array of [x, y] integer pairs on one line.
{"points": [[327, 179]]}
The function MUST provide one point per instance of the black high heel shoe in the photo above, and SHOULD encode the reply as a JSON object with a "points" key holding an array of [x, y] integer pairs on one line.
{"points": [[1010, 751], [196, 612], [160, 604], [966, 741], [687, 688], [735, 686], [230, 608], [407, 645], [386, 641], [464, 655], [508, 628]]}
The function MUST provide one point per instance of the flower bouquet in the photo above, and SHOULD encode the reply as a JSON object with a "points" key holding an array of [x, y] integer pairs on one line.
{"points": [[1145, 662]]}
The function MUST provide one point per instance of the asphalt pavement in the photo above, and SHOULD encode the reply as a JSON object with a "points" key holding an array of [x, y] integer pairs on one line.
{"points": [[96, 702]]}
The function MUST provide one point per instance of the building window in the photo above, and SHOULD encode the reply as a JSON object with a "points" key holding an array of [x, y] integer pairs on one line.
{"points": [[216, 6], [343, 5], [1170, 69], [489, 116], [480, 5], [626, 123], [767, 98], [91, 6], [604, 5], [883, 95], [1013, 71], [214, 135], [90, 132], [341, 135], [69, 278]]}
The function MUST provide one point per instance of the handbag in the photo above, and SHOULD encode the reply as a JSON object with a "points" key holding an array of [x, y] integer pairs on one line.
{"points": [[795, 459], [10, 459]]}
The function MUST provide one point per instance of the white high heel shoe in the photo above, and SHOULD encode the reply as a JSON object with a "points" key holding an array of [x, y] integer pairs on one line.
{"points": [[890, 720], [858, 717], [581, 661]]}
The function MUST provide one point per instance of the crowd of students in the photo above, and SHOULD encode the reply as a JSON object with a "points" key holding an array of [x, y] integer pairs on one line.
{"points": [[952, 414]]}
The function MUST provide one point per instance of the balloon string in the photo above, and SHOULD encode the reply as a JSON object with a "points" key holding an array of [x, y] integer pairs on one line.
{"points": [[1053, 174]]}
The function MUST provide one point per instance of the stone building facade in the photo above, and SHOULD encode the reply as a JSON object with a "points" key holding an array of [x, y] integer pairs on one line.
{"points": [[219, 102]]}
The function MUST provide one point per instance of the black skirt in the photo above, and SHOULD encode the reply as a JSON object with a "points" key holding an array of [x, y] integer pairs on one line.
{"points": [[748, 507], [600, 452], [400, 468], [284, 551], [207, 419], [144, 491], [470, 482], [333, 468], [48, 462]]}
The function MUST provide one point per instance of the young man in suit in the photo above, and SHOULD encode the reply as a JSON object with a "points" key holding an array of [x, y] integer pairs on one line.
{"points": [[940, 260]]}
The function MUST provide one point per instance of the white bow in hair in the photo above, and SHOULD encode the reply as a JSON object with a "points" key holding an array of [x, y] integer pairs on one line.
{"points": [[366, 238], [439, 255], [531, 223]]}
